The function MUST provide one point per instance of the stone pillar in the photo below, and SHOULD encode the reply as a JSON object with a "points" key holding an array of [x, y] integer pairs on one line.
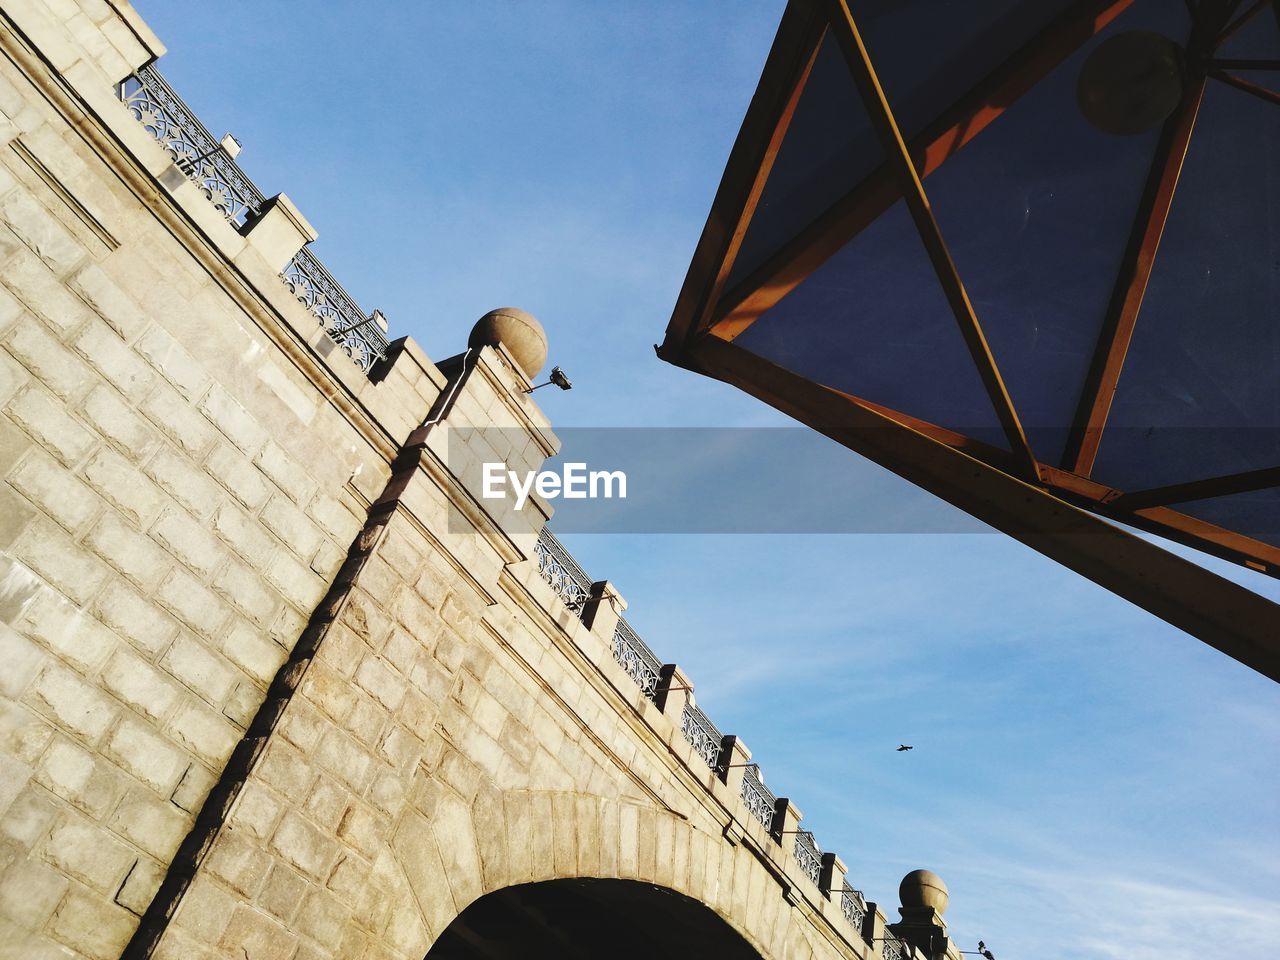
{"points": [[924, 899], [831, 879], [873, 927], [279, 231], [674, 691], [603, 609], [786, 821], [734, 757]]}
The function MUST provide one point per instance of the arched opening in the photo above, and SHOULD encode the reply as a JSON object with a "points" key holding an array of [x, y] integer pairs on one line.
{"points": [[585, 919]]}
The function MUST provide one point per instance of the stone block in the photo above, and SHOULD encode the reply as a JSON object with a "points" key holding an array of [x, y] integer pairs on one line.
{"points": [[202, 670], [296, 583], [246, 538], [189, 541], [283, 893], [119, 425], [72, 704], [72, 773], [43, 294], [39, 351], [147, 756], [29, 892], [241, 863], [165, 408], [191, 790], [150, 823], [43, 234], [285, 472], [133, 555], [140, 886], [237, 473], [137, 620], [105, 297], [342, 525], [304, 845], [22, 660], [47, 423], [235, 422], [174, 363], [205, 733], [253, 652], [13, 376], [192, 603], [382, 683], [123, 486], [89, 853], [257, 810], [287, 770], [103, 348], [186, 483], [49, 552], [65, 499], [280, 232], [140, 685], [344, 758], [256, 934], [292, 526], [95, 927]]}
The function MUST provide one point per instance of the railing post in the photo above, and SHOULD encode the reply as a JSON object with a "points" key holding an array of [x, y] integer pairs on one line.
{"points": [[831, 879], [734, 757], [278, 231], [873, 929], [674, 691], [786, 821], [602, 609]]}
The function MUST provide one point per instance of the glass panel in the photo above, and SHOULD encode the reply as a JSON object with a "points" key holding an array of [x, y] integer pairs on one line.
{"points": [[927, 53], [828, 148], [1199, 395], [1255, 514], [1037, 211], [1259, 39], [873, 321]]}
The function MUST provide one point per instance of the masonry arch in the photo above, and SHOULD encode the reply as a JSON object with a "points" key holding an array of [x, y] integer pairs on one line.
{"points": [[457, 854], [585, 918]]}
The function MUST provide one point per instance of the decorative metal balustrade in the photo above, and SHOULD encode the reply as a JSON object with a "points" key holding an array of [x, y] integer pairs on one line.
{"points": [[757, 798], [194, 150], [891, 948], [853, 906], [360, 337], [808, 855], [641, 664], [701, 734], [561, 572], [206, 163]]}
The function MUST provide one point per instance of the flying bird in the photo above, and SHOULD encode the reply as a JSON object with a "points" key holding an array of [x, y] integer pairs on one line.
{"points": [[903, 746]]}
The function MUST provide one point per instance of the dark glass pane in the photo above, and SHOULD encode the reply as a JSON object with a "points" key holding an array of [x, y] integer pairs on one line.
{"points": [[1255, 514], [1200, 395], [873, 321], [927, 53], [1037, 211], [828, 148], [1259, 39]]}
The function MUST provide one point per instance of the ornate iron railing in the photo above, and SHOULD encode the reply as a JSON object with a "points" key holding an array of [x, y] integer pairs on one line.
{"points": [[891, 948], [194, 150], [808, 855], [701, 734], [561, 572], [360, 337], [758, 799], [641, 664], [852, 905], [206, 163]]}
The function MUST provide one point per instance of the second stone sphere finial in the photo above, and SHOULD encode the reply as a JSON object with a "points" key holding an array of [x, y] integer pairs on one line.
{"points": [[924, 888], [519, 332]]}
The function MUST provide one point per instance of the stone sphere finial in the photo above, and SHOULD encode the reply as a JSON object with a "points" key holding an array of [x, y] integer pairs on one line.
{"points": [[516, 330], [924, 888]]}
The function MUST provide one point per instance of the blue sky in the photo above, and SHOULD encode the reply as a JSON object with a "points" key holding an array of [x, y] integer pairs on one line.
{"points": [[1090, 782]]}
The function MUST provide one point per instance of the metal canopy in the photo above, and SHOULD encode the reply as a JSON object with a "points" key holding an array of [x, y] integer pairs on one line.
{"points": [[922, 248]]}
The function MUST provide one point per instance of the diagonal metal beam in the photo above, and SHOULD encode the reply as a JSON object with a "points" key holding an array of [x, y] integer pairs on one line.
{"points": [[899, 158], [1261, 92], [1100, 383], [951, 130], [1246, 482], [1230, 29]]}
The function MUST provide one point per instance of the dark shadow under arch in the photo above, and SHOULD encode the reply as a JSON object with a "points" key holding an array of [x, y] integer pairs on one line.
{"points": [[588, 919]]}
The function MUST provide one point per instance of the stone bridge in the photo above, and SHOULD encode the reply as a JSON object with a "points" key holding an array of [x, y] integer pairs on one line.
{"points": [[276, 684]]}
